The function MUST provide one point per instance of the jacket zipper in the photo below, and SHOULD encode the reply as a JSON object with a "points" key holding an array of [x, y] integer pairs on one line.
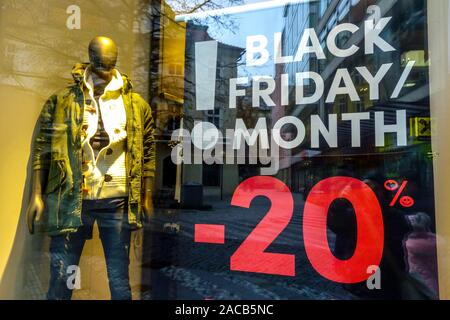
{"points": [[80, 154]]}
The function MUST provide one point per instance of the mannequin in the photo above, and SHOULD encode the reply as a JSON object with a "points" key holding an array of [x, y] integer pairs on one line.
{"points": [[103, 57], [107, 96]]}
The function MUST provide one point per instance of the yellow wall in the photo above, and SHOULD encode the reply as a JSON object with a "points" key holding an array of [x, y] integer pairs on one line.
{"points": [[16, 128], [37, 52], [438, 23]]}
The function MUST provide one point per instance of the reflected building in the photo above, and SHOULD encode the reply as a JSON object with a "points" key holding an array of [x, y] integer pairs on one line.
{"points": [[217, 179], [166, 86], [304, 166], [172, 87], [406, 32]]}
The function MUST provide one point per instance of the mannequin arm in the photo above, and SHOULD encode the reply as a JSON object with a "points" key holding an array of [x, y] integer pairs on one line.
{"points": [[35, 207], [147, 202]]}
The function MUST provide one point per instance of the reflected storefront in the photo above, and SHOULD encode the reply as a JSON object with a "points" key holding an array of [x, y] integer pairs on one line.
{"points": [[235, 150]]}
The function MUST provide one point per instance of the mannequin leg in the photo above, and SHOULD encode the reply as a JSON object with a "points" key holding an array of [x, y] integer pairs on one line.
{"points": [[116, 236], [65, 251]]}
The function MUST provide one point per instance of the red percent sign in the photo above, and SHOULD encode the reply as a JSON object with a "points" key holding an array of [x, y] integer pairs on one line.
{"points": [[251, 256], [405, 201]]}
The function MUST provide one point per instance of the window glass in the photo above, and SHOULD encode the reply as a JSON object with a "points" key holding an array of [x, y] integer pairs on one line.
{"points": [[224, 149]]}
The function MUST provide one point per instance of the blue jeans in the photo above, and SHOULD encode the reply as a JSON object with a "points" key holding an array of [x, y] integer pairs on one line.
{"points": [[65, 250]]}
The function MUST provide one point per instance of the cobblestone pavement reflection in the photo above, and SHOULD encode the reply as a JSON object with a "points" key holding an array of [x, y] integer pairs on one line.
{"points": [[183, 269]]}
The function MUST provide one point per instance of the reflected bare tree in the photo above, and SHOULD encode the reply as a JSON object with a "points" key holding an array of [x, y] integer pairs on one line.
{"points": [[194, 6]]}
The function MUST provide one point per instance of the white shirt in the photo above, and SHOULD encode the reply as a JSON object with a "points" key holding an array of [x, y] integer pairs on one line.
{"points": [[105, 176]]}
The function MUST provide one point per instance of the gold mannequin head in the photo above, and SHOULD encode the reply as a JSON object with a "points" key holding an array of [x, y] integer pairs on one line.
{"points": [[103, 57]]}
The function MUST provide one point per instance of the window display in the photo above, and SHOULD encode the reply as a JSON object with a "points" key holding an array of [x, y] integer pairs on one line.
{"points": [[93, 156], [224, 150]]}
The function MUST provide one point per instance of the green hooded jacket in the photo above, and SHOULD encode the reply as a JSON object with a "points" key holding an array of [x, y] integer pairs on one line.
{"points": [[57, 150]]}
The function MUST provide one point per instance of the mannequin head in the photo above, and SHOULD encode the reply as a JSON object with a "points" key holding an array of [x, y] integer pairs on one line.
{"points": [[103, 57]]}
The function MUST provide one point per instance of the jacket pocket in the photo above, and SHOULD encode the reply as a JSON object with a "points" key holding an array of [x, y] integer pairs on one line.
{"points": [[56, 176]]}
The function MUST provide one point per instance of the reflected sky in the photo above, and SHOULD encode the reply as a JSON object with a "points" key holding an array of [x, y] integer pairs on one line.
{"points": [[259, 22]]}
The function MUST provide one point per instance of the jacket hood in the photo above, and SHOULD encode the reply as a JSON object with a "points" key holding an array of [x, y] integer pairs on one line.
{"points": [[79, 69]]}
